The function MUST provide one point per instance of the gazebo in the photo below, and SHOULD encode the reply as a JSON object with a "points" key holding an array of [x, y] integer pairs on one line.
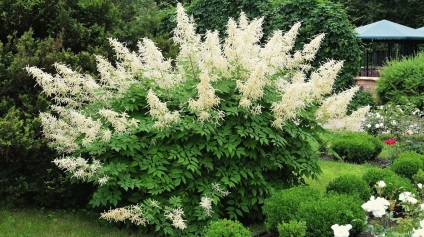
{"points": [[401, 41]]}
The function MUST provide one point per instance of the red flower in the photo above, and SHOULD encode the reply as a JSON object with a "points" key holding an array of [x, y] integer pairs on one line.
{"points": [[390, 142]]}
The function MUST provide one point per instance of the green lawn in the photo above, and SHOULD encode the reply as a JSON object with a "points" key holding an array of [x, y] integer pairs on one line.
{"points": [[334, 169], [38, 223]]}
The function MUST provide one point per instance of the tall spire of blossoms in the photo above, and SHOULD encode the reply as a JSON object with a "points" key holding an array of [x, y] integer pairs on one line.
{"points": [[159, 111], [207, 99], [276, 52], [67, 86], [212, 58], [301, 59], [324, 78], [242, 44], [129, 60], [113, 78], [189, 41], [156, 67], [335, 106]]}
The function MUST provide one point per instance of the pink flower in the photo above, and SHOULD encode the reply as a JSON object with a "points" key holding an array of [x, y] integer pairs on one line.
{"points": [[409, 132], [390, 142]]}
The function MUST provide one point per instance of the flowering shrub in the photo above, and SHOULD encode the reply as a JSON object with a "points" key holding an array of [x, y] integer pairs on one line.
{"points": [[398, 216], [341, 230], [395, 184], [398, 120], [175, 146]]}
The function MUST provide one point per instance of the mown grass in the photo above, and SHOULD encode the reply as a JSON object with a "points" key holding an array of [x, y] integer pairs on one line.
{"points": [[39, 223], [334, 169]]}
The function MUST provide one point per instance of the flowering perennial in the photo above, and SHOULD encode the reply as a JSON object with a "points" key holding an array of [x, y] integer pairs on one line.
{"points": [[341, 230], [87, 115], [377, 206]]}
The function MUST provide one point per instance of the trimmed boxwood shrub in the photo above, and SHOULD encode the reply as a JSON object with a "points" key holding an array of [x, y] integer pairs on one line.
{"points": [[418, 177], [401, 82], [351, 185], [321, 214], [357, 147], [282, 205], [395, 184], [292, 229], [406, 165], [226, 228]]}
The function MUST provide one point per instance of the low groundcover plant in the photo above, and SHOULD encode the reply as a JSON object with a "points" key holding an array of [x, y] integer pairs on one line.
{"points": [[174, 144]]}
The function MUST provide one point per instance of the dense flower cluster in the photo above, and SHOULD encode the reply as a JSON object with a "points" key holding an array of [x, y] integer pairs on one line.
{"points": [[341, 230], [377, 206]]}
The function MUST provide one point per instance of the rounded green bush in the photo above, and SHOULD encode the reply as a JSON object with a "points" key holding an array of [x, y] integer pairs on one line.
{"points": [[321, 214], [373, 175], [226, 228], [292, 229], [411, 154], [418, 177], [407, 165], [401, 82], [282, 205], [357, 147], [351, 185], [395, 184]]}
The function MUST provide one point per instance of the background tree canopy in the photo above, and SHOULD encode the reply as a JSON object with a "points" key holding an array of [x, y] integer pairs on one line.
{"points": [[317, 16], [405, 12]]}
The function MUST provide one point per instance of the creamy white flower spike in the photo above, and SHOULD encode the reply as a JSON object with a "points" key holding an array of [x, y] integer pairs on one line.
{"points": [[159, 111], [176, 216], [129, 60], [133, 213], [79, 167], [206, 204], [207, 99], [155, 67], [335, 106]]}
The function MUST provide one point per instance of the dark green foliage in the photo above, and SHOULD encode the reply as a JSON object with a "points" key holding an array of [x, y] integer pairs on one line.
{"points": [[395, 183], [362, 12], [413, 143], [40, 33], [283, 205], [401, 82], [357, 147], [292, 229], [214, 14], [226, 228], [321, 214], [350, 185], [360, 99], [319, 16], [407, 165], [374, 175], [418, 177]]}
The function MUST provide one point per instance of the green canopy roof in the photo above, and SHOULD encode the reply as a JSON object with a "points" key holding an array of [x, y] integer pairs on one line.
{"points": [[387, 30]]}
